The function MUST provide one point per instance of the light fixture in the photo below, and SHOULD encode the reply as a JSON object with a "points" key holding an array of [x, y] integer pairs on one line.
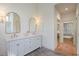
{"points": [[66, 9], [7, 19], [2, 18]]}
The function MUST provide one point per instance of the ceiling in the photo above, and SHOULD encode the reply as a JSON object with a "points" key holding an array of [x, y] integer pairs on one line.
{"points": [[71, 7]]}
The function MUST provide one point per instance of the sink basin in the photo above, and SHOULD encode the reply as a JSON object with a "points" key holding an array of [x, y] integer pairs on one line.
{"points": [[22, 36]]}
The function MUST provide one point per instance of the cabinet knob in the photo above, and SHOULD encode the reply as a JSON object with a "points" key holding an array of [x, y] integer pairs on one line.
{"points": [[17, 44]]}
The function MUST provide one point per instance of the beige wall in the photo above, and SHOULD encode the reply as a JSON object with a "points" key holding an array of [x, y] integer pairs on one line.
{"points": [[48, 25]]}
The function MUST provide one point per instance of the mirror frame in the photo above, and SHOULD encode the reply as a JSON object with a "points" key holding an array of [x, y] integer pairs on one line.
{"points": [[19, 24], [32, 18]]}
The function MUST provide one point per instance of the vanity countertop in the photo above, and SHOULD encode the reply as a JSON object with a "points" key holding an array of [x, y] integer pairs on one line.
{"points": [[22, 37]]}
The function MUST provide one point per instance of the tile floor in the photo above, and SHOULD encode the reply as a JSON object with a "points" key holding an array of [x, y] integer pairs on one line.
{"points": [[43, 52]]}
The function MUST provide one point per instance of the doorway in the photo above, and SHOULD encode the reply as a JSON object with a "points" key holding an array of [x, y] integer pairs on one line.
{"points": [[66, 28]]}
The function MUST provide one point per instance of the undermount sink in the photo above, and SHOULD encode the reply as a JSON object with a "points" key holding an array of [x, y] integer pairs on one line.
{"points": [[30, 34], [22, 36], [13, 37]]}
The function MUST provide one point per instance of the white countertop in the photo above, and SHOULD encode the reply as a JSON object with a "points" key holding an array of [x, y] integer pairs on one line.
{"points": [[22, 37]]}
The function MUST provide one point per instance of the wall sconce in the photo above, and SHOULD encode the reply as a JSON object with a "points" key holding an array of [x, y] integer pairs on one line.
{"points": [[38, 23], [37, 20], [2, 18]]}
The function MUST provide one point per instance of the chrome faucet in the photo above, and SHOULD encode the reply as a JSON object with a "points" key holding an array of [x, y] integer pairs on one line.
{"points": [[13, 35]]}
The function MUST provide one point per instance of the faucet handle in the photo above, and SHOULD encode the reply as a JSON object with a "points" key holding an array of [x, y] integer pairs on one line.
{"points": [[16, 35], [12, 36]]}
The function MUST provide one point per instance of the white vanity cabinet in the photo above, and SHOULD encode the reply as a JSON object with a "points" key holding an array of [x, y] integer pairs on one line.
{"points": [[11, 48], [35, 43], [20, 47], [27, 46]]}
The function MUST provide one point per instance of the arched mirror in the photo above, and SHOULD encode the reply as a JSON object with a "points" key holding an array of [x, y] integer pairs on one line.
{"points": [[12, 24], [32, 25]]}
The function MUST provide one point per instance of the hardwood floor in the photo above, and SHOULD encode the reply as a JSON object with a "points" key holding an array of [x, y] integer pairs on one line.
{"points": [[68, 41], [67, 47]]}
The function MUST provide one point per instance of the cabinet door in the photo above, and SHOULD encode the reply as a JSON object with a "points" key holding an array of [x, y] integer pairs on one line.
{"points": [[38, 41], [26, 46], [35, 43], [20, 47], [12, 48], [32, 44]]}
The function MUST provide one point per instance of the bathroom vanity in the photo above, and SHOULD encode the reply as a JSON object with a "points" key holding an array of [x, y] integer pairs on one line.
{"points": [[16, 45], [21, 46]]}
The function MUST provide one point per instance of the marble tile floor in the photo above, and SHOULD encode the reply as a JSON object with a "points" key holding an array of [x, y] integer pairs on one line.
{"points": [[43, 52]]}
